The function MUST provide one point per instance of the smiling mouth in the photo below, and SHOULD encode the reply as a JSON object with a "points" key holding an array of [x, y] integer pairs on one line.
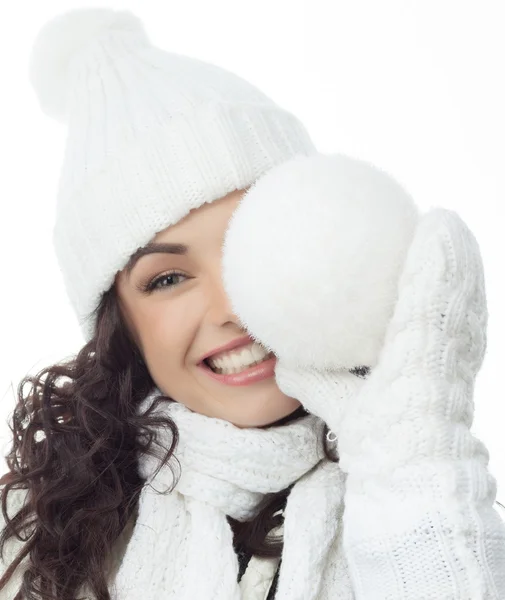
{"points": [[263, 371]]}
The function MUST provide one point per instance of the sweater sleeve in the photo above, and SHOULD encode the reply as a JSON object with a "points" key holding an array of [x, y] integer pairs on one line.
{"points": [[429, 532]]}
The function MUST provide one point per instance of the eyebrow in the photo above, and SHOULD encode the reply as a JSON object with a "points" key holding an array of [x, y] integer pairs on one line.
{"points": [[154, 248]]}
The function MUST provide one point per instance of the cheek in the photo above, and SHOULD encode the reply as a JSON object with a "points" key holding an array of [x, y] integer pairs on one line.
{"points": [[167, 333]]}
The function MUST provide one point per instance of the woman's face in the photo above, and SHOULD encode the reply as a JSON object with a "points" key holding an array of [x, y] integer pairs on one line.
{"points": [[187, 315]]}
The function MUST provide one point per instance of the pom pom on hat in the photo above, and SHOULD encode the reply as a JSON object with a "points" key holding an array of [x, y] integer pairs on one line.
{"points": [[60, 40]]}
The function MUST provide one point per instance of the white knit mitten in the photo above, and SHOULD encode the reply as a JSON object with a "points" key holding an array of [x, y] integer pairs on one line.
{"points": [[417, 404], [419, 519]]}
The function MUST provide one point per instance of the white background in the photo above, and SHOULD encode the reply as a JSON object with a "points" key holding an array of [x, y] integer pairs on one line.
{"points": [[414, 87]]}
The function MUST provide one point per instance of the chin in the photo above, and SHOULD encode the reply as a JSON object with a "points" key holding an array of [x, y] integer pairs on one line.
{"points": [[267, 415]]}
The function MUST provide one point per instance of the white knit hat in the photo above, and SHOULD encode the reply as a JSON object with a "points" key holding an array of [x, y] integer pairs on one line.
{"points": [[151, 135]]}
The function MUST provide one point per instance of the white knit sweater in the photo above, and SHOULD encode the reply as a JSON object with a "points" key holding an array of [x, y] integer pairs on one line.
{"points": [[255, 582], [487, 546]]}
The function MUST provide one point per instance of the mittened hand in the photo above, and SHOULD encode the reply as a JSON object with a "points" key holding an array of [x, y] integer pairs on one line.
{"points": [[417, 404], [311, 262], [326, 394], [328, 264]]}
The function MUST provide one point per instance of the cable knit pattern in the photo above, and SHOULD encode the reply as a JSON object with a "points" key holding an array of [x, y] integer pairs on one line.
{"points": [[414, 456], [419, 519]]}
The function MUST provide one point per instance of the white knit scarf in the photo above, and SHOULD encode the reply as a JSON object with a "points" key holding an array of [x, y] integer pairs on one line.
{"points": [[182, 544]]}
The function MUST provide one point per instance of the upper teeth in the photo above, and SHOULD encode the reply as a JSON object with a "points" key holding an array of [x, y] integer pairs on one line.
{"points": [[239, 358]]}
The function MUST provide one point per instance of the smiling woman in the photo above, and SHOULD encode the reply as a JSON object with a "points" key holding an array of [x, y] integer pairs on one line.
{"points": [[165, 460], [87, 412]]}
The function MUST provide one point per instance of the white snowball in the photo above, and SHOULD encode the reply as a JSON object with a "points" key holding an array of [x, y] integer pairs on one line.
{"points": [[312, 258]]}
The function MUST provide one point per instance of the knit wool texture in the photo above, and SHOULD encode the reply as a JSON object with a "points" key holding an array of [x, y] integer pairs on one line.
{"points": [[171, 552], [151, 136]]}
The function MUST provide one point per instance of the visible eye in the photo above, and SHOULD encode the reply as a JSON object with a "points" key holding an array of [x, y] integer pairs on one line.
{"points": [[152, 285]]}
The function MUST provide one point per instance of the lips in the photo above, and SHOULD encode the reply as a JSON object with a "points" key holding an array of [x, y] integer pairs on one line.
{"points": [[258, 373]]}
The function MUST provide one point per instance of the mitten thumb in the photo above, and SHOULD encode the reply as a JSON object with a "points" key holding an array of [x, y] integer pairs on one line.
{"points": [[326, 394]]}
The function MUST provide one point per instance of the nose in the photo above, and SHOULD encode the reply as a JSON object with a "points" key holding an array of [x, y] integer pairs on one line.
{"points": [[219, 307]]}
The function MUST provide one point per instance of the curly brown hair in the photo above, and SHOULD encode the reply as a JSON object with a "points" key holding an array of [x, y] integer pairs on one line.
{"points": [[77, 435]]}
